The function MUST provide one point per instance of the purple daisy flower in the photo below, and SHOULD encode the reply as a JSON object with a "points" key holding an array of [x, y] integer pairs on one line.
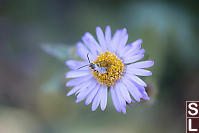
{"points": [[108, 64]]}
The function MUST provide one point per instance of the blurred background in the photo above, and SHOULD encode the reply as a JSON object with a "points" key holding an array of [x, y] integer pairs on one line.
{"points": [[38, 36]]}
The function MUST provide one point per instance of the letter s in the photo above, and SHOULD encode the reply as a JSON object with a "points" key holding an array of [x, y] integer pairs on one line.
{"points": [[193, 108]]}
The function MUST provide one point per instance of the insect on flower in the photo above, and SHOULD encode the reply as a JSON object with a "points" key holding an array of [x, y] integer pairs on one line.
{"points": [[113, 65], [94, 67]]}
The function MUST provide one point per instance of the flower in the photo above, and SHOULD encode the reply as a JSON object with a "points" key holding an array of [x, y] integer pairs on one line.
{"points": [[109, 64]]}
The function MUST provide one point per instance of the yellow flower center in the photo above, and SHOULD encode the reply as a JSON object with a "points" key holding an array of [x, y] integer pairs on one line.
{"points": [[114, 68]]}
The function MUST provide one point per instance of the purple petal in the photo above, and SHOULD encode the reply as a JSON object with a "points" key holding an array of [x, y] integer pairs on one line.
{"points": [[124, 110], [135, 52], [103, 98], [76, 88], [133, 58], [115, 100], [145, 96], [96, 100], [78, 81], [73, 64], [82, 51], [132, 89], [141, 72], [92, 94], [77, 73], [142, 64], [124, 39], [136, 79], [119, 95], [121, 99], [124, 50], [84, 92], [142, 51], [124, 92], [115, 40], [108, 34], [136, 45], [101, 38], [91, 44], [72, 91], [91, 39], [142, 91]]}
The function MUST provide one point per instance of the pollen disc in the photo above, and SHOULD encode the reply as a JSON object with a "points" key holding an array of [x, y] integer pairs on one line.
{"points": [[113, 65]]}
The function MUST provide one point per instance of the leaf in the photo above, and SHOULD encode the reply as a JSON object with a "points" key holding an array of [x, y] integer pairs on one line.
{"points": [[53, 83], [59, 51]]}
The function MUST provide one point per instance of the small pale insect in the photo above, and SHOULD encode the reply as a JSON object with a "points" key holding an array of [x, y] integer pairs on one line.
{"points": [[95, 67]]}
